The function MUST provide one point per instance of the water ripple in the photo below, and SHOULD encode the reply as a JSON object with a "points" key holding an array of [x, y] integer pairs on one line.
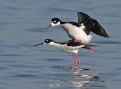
{"points": [[26, 76], [108, 42], [23, 66], [12, 55], [52, 59], [35, 29]]}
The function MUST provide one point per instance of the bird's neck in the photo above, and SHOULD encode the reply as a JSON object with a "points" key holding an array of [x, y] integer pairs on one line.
{"points": [[55, 44]]}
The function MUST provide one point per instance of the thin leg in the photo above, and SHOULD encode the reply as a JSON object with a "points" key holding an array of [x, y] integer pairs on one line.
{"points": [[78, 60], [91, 51], [77, 63], [75, 60]]}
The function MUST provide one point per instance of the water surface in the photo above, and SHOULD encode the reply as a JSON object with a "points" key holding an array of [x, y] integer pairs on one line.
{"points": [[23, 66]]}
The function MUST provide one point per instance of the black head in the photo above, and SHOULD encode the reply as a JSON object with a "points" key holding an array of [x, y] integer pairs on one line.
{"points": [[47, 41], [55, 21]]}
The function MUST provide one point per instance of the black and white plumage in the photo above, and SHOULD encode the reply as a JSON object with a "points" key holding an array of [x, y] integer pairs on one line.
{"points": [[91, 25], [81, 30], [70, 46]]}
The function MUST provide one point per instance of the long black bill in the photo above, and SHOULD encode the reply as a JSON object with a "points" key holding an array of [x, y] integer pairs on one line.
{"points": [[39, 44], [48, 26], [44, 28]]}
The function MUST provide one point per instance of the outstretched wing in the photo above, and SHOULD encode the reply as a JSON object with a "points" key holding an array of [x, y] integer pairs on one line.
{"points": [[91, 25], [82, 17], [98, 29]]}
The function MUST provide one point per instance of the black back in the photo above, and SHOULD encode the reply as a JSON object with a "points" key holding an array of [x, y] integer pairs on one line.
{"points": [[73, 43]]}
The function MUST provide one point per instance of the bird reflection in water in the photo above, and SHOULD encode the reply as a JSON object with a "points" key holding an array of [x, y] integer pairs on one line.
{"points": [[81, 81], [86, 79]]}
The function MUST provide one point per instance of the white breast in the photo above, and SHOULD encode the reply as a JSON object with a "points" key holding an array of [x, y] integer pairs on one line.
{"points": [[70, 49], [66, 48], [77, 33]]}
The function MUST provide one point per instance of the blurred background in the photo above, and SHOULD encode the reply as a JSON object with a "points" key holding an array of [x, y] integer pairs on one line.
{"points": [[23, 66]]}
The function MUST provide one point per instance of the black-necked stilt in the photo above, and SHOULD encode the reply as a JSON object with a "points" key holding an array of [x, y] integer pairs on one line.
{"points": [[80, 30], [70, 46]]}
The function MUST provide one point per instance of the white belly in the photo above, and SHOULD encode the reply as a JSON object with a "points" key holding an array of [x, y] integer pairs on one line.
{"points": [[77, 33], [70, 49]]}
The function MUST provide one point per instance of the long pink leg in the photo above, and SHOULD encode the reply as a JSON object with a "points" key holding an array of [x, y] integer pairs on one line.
{"points": [[75, 60], [77, 63], [78, 60], [91, 51]]}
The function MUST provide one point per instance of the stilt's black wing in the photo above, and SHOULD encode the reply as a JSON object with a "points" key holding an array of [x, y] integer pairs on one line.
{"points": [[73, 43], [98, 29], [82, 17], [91, 25]]}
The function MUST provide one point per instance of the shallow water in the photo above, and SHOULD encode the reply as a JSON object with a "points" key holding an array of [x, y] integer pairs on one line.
{"points": [[23, 66]]}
